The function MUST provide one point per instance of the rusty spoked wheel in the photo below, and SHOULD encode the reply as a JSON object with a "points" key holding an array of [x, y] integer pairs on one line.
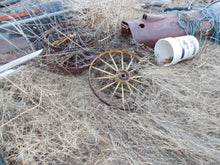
{"points": [[72, 47], [116, 80]]}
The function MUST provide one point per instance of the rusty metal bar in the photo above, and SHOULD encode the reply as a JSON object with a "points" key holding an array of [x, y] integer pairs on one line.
{"points": [[28, 20]]}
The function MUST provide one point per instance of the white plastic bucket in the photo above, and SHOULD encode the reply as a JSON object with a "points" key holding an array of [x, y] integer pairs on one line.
{"points": [[169, 51]]}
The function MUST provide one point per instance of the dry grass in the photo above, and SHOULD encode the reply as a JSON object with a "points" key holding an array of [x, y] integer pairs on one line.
{"points": [[107, 15], [46, 118]]}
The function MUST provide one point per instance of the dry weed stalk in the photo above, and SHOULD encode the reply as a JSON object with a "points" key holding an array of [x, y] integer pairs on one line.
{"points": [[176, 121], [107, 15], [32, 101]]}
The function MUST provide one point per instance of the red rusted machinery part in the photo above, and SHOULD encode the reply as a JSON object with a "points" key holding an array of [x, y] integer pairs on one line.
{"points": [[152, 27], [71, 47]]}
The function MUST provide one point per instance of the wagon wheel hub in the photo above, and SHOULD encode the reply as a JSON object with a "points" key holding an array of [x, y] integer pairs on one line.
{"points": [[122, 76]]}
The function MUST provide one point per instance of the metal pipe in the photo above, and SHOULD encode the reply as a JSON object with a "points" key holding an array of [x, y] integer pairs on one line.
{"points": [[11, 24]]}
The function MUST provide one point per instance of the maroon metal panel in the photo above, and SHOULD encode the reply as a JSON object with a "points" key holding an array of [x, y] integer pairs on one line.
{"points": [[6, 48]]}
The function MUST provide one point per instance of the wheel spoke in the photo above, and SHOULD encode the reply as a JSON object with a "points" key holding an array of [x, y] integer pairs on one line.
{"points": [[133, 70], [108, 64], [123, 94], [102, 78], [122, 61], [102, 71], [129, 87], [129, 65], [66, 59], [76, 61], [105, 87], [113, 61], [137, 77], [136, 81], [114, 93], [135, 88], [55, 43], [59, 41]]}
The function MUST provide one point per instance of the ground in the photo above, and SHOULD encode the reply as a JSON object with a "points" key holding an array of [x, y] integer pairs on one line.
{"points": [[48, 118]]}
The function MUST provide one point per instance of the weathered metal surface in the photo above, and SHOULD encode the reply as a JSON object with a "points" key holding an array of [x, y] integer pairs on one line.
{"points": [[150, 28], [1, 160], [31, 19], [8, 3], [19, 42], [71, 47], [14, 45], [19, 61], [19, 15]]}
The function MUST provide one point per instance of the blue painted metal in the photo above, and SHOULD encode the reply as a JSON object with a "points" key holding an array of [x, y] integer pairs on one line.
{"points": [[1, 160]]}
